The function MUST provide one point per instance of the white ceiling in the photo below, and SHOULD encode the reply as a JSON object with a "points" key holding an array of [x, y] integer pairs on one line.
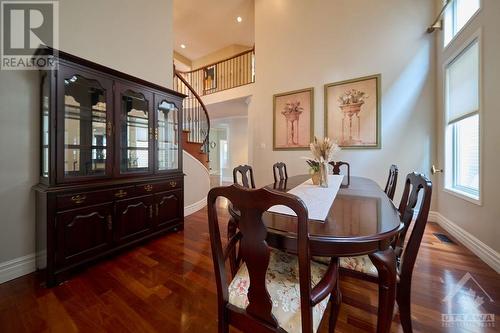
{"points": [[231, 108], [205, 26]]}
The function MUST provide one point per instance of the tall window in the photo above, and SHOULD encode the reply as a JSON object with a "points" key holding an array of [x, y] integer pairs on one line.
{"points": [[458, 13], [462, 132]]}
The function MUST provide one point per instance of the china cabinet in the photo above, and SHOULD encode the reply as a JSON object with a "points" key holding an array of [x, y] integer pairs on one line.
{"points": [[111, 167]]}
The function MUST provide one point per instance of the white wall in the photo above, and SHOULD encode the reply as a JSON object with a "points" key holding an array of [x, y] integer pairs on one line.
{"points": [[300, 44], [196, 183], [131, 36], [483, 222], [237, 137]]}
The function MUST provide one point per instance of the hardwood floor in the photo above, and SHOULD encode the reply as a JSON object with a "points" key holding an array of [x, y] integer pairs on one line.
{"points": [[167, 285]]}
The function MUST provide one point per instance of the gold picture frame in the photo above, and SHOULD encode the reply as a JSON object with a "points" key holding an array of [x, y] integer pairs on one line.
{"points": [[293, 119], [353, 112]]}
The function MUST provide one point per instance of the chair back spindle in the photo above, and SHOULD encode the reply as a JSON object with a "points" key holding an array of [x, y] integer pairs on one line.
{"points": [[392, 180], [246, 174], [414, 185], [279, 172], [336, 169]]}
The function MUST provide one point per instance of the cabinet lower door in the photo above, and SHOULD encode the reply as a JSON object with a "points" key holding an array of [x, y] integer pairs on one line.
{"points": [[83, 233], [133, 218], [169, 208]]}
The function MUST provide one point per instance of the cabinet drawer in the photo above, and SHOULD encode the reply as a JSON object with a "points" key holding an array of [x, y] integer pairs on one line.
{"points": [[168, 185], [74, 200]]}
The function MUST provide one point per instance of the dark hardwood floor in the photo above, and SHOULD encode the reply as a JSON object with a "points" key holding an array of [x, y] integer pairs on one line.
{"points": [[167, 285]]}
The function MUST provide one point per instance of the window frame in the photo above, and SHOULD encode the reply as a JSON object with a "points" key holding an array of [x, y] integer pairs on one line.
{"points": [[453, 8], [448, 129]]}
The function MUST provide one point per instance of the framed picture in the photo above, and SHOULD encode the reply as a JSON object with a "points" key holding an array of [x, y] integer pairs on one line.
{"points": [[293, 114], [352, 112], [209, 81]]}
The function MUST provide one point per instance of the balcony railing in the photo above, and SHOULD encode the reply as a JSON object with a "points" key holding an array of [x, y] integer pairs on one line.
{"points": [[229, 73]]}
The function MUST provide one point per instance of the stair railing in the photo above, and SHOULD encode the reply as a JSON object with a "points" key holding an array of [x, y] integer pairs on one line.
{"points": [[232, 72], [195, 115]]}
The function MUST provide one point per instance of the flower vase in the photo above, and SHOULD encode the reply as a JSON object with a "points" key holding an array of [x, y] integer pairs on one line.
{"points": [[315, 178], [323, 172]]}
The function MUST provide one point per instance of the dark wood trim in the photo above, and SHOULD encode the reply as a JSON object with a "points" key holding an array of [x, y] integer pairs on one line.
{"points": [[252, 50], [110, 71]]}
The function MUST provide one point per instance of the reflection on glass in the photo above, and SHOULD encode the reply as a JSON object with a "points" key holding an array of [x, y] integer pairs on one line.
{"points": [[134, 133], [45, 127], [168, 145], [84, 127]]}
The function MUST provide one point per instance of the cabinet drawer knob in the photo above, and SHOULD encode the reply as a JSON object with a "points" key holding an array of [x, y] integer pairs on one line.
{"points": [[120, 194], [173, 184], [148, 187], [78, 198]]}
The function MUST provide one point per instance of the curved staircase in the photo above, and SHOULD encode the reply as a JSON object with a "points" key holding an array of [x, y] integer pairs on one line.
{"points": [[195, 122]]}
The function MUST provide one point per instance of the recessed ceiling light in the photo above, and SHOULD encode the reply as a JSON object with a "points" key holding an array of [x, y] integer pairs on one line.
{"points": [[183, 46], [239, 19]]}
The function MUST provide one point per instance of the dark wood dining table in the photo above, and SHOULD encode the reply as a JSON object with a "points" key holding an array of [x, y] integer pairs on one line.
{"points": [[362, 220]]}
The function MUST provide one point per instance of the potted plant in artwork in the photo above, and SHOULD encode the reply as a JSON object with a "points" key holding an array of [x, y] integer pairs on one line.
{"points": [[350, 103], [323, 151]]}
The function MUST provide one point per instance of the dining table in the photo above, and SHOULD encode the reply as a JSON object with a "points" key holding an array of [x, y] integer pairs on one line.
{"points": [[362, 220]]}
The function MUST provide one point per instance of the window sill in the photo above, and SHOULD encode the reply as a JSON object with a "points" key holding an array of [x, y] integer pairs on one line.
{"points": [[464, 195]]}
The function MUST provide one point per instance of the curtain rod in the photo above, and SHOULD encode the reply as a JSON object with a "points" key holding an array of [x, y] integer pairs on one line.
{"points": [[438, 22]]}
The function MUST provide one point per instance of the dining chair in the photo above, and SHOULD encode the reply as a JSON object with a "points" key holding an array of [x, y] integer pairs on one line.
{"points": [[246, 173], [271, 291], [392, 180], [336, 169], [279, 169], [362, 267]]}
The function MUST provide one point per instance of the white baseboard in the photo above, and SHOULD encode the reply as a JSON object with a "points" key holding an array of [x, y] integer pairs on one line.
{"points": [[190, 209], [15, 268], [476, 246]]}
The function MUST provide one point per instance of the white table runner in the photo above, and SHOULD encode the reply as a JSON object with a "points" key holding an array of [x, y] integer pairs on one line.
{"points": [[318, 200]]}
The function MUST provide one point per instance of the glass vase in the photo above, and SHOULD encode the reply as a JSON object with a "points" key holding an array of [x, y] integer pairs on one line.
{"points": [[323, 173]]}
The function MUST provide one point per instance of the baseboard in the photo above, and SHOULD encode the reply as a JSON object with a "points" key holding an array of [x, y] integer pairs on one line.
{"points": [[15, 268], [190, 209], [476, 246]]}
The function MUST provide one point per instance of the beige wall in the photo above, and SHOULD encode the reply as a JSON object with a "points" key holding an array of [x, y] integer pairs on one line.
{"points": [[131, 36], [481, 221], [218, 55], [302, 44]]}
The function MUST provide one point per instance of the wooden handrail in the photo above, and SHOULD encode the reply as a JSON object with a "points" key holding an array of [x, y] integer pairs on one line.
{"points": [[198, 98], [219, 61]]}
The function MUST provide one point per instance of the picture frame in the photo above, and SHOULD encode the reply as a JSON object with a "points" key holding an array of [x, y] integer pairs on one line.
{"points": [[353, 112], [209, 78], [293, 119]]}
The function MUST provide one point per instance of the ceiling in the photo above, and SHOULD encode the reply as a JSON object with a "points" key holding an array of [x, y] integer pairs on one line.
{"points": [[231, 108], [205, 26]]}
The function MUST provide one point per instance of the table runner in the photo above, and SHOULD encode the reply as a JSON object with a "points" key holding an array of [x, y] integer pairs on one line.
{"points": [[318, 200]]}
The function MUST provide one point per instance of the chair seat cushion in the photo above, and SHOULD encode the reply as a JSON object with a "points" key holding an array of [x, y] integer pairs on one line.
{"points": [[361, 264], [282, 282]]}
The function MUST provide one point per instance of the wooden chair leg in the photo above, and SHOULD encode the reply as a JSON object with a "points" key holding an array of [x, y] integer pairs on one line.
{"points": [[334, 307], [403, 297]]}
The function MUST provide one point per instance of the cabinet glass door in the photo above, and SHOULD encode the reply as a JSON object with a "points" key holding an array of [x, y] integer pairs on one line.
{"points": [[167, 136], [135, 132], [86, 119]]}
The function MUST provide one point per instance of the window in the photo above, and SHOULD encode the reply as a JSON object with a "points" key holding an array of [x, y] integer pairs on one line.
{"points": [[462, 132], [458, 13]]}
